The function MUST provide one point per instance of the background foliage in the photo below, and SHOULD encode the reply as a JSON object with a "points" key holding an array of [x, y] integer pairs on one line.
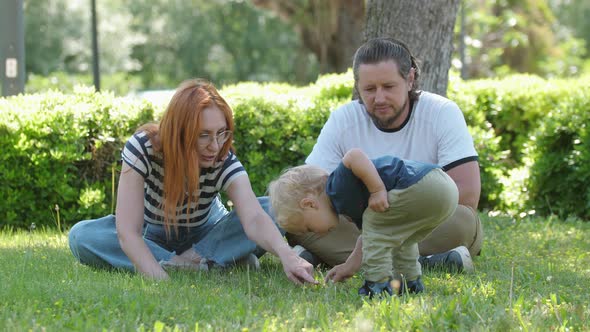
{"points": [[158, 43], [59, 153], [164, 42], [531, 135], [522, 36], [532, 153]]}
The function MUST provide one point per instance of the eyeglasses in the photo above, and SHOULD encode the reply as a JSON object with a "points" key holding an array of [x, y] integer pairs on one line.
{"points": [[206, 139]]}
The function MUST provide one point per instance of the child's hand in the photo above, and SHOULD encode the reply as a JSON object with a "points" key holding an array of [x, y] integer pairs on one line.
{"points": [[341, 272], [378, 201]]}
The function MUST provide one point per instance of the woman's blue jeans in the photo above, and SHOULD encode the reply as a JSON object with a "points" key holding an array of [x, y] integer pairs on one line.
{"points": [[221, 240]]}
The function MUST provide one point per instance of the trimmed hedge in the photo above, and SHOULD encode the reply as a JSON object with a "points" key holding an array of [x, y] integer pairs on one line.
{"points": [[58, 153], [514, 106], [278, 124], [519, 109], [559, 159], [62, 150]]}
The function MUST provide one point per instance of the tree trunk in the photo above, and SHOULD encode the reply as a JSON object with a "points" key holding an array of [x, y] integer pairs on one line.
{"points": [[331, 29], [426, 26]]}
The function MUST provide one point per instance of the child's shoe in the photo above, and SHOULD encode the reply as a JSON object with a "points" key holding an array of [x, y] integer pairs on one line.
{"points": [[399, 287], [411, 287], [371, 288]]}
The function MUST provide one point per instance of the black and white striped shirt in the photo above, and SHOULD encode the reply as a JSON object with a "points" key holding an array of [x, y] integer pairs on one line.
{"points": [[140, 156]]}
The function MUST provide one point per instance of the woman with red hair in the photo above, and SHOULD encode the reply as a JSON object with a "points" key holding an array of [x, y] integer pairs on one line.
{"points": [[162, 217]]}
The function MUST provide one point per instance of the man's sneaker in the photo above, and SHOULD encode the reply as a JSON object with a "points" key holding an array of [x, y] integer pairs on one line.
{"points": [[455, 260], [307, 255]]}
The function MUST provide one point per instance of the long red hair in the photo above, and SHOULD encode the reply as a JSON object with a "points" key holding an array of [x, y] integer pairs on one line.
{"points": [[176, 138]]}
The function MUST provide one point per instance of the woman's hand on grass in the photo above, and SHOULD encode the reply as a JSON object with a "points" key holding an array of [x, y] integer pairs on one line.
{"points": [[298, 270]]}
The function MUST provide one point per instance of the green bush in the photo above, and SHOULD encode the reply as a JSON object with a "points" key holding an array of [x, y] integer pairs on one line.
{"points": [[277, 125], [515, 108], [59, 152], [559, 160], [62, 150]]}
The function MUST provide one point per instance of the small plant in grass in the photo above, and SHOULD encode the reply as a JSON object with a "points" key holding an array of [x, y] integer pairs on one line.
{"points": [[57, 218]]}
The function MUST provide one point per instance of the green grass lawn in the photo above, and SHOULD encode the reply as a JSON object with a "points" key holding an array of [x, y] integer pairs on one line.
{"points": [[533, 275]]}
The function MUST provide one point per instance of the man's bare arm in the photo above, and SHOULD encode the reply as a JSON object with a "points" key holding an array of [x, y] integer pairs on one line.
{"points": [[467, 179]]}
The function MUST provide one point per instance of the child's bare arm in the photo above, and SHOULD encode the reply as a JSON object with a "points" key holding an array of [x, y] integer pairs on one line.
{"points": [[347, 269], [360, 165]]}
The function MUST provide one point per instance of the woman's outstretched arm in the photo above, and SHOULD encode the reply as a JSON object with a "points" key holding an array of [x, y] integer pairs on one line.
{"points": [[129, 216]]}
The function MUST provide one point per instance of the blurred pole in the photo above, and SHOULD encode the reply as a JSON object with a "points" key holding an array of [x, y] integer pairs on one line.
{"points": [[462, 41], [12, 47], [95, 63]]}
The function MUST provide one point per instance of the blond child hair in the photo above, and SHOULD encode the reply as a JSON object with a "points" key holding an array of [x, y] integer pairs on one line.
{"points": [[290, 188]]}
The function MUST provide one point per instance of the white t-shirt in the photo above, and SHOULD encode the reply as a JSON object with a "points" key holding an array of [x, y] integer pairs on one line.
{"points": [[435, 132]]}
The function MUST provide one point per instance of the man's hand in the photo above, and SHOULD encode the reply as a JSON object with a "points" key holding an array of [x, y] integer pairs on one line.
{"points": [[378, 201], [298, 270], [341, 272]]}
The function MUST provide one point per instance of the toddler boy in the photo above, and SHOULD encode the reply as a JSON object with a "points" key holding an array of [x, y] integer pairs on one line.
{"points": [[395, 202]]}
